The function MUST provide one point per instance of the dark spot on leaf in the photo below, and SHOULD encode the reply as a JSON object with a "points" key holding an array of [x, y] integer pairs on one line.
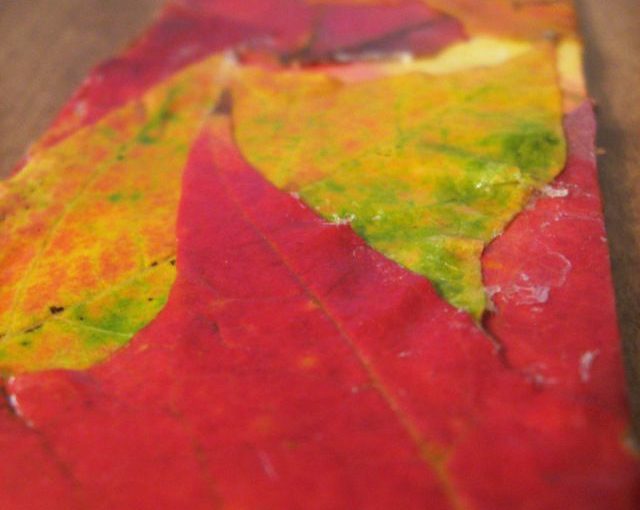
{"points": [[25, 343], [56, 309], [33, 328], [154, 263], [225, 104], [172, 262], [149, 299], [10, 403]]}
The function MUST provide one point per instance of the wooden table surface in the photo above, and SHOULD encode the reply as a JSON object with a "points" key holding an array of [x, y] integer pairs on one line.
{"points": [[48, 46]]}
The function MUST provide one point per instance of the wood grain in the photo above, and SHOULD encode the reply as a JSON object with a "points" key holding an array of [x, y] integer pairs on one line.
{"points": [[48, 46]]}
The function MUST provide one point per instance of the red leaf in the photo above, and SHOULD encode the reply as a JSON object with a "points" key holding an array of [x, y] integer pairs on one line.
{"points": [[295, 367], [188, 30], [373, 29], [555, 316]]}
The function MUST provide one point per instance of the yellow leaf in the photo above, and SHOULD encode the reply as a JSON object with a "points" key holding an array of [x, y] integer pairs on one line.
{"points": [[87, 232], [428, 169]]}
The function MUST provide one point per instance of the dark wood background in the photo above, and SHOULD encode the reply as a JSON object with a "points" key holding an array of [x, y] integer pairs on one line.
{"points": [[48, 46]]}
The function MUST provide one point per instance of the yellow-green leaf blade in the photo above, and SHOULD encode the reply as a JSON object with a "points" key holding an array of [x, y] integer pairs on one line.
{"points": [[428, 169], [88, 233]]}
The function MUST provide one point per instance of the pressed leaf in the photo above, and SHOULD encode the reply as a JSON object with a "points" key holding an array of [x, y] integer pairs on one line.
{"points": [[294, 366], [350, 32], [426, 168], [87, 243], [534, 19], [333, 378]]}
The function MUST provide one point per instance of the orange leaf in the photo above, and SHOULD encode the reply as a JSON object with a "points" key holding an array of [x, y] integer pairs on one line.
{"points": [[87, 241]]}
